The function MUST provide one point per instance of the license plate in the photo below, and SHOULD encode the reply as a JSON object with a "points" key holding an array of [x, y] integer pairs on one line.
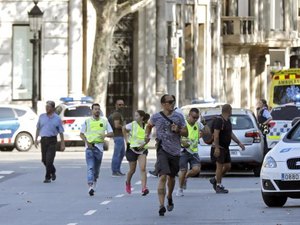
{"points": [[234, 152], [290, 176]]}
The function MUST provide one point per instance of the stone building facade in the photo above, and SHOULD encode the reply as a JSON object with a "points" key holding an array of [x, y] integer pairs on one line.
{"points": [[229, 47]]}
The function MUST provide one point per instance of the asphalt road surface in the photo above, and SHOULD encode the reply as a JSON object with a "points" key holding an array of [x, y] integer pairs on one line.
{"points": [[25, 199]]}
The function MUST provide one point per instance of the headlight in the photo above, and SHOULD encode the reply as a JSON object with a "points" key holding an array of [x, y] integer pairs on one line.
{"points": [[269, 163]]}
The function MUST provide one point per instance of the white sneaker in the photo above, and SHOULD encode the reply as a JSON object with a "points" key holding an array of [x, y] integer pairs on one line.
{"points": [[179, 192]]}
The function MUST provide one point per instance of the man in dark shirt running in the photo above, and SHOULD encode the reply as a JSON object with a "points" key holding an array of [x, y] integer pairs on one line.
{"points": [[220, 154]]}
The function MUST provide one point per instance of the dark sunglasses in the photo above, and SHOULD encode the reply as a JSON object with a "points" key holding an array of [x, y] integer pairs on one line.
{"points": [[170, 101]]}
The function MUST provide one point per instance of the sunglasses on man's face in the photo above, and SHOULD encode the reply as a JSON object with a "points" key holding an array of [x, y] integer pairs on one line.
{"points": [[170, 101]]}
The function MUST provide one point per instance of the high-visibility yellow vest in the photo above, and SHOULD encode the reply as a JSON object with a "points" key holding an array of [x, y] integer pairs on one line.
{"points": [[193, 137], [95, 129], [137, 135]]}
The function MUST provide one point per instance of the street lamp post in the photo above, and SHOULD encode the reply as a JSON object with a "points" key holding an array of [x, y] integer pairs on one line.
{"points": [[35, 23]]}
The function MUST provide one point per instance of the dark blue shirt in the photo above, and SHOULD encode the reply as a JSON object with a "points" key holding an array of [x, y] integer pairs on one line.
{"points": [[49, 126]]}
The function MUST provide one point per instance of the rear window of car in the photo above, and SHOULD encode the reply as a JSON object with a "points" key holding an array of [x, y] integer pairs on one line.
{"points": [[78, 111], [6, 113], [239, 122], [20, 112], [285, 112]]}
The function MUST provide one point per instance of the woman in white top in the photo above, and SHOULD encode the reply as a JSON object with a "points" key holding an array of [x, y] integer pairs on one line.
{"points": [[134, 134]]}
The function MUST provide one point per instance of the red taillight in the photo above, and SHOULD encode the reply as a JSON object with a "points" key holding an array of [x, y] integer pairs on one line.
{"points": [[253, 134], [272, 124], [68, 121]]}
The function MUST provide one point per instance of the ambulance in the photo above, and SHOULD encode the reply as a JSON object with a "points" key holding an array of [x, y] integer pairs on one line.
{"points": [[284, 101]]}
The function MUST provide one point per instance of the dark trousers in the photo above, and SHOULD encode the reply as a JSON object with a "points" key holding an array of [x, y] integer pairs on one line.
{"points": [[48, 145]]}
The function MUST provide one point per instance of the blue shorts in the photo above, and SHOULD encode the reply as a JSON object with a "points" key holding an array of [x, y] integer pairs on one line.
{"points": [[187, 158]]}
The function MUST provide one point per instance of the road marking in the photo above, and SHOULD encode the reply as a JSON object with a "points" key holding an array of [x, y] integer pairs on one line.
{"points": [[72, 223], [1, 177], [29, 167], [138, 183], [105, 202], [90, 212], [70, 167], [119, 196], [6, 172]]}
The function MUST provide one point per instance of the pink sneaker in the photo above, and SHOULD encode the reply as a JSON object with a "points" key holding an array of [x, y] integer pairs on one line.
{"points": [[128, 188]]}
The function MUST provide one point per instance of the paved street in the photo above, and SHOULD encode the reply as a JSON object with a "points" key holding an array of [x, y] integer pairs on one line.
{"points": [[25, 199]]}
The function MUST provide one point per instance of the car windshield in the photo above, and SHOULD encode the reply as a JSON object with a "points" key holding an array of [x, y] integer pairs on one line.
{"points": [[78, 111], [295, 133], [239, 122], [285, 112]]}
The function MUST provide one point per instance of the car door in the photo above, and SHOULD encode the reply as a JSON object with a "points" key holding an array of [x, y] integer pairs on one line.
{"points": [[9, 124]]}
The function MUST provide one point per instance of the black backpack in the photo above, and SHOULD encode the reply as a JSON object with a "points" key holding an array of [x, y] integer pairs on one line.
{"points": [[208, 134]]}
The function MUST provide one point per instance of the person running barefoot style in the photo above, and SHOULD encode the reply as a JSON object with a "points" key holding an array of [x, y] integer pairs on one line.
{"points": [[170, 126], [134, 134]]}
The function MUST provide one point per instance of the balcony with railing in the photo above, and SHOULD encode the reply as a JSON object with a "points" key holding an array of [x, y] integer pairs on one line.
{"points": [[238, 30]]}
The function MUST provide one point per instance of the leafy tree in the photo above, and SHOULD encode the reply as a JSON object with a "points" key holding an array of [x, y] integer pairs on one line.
{"points": [[108, 14]]}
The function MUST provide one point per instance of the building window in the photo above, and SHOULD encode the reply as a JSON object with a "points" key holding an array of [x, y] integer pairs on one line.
{"points": [[22, 63], [277, 8]]}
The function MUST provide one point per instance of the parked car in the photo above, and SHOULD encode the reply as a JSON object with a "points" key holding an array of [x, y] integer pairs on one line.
{"points": [[280, 173], [282, 117], [17, 127], [246, 129], [73, 113]]}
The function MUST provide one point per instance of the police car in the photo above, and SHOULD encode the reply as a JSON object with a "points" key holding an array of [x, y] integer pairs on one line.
{"points": [[282, 117], [73, 112], [280, 173], [17, 127]]}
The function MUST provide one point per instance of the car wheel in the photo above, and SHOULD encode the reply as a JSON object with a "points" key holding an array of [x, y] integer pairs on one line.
{"points": [[256, 171], [273, 200], [23, 142]]}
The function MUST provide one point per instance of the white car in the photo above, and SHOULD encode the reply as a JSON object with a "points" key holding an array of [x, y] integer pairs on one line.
{"points": [[201, 106], [280, 173], [73, 113], [17, 127]]}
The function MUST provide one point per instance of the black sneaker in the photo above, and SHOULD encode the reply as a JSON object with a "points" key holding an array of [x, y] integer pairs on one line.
{"points": [[53, 176], [47, 181], [121, 174], [162, 211], [170, 205], [153, 173], [91, 191], [221, 190], [213, 181]]}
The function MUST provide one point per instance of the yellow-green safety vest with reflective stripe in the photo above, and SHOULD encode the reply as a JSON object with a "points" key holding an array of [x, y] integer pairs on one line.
{"points": [[137, 135], [193, 136], [95, 129]]}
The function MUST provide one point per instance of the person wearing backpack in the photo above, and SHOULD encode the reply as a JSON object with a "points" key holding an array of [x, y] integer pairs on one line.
{"points": [[220, 154]]}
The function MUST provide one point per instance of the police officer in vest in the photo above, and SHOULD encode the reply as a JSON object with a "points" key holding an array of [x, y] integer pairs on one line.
{"points": [[189, 150], [93, 132]]}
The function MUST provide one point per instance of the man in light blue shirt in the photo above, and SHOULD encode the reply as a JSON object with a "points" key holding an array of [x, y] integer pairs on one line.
{"points": [[48, 127]]}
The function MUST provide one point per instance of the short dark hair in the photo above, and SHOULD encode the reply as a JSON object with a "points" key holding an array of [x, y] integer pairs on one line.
{"points": [[195, 110], [226, 108], [162, 99], [51, 103], [94, 104]]}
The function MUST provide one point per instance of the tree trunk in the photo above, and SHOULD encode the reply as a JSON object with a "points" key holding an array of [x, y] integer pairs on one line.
{"points": [[108, 14]]}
